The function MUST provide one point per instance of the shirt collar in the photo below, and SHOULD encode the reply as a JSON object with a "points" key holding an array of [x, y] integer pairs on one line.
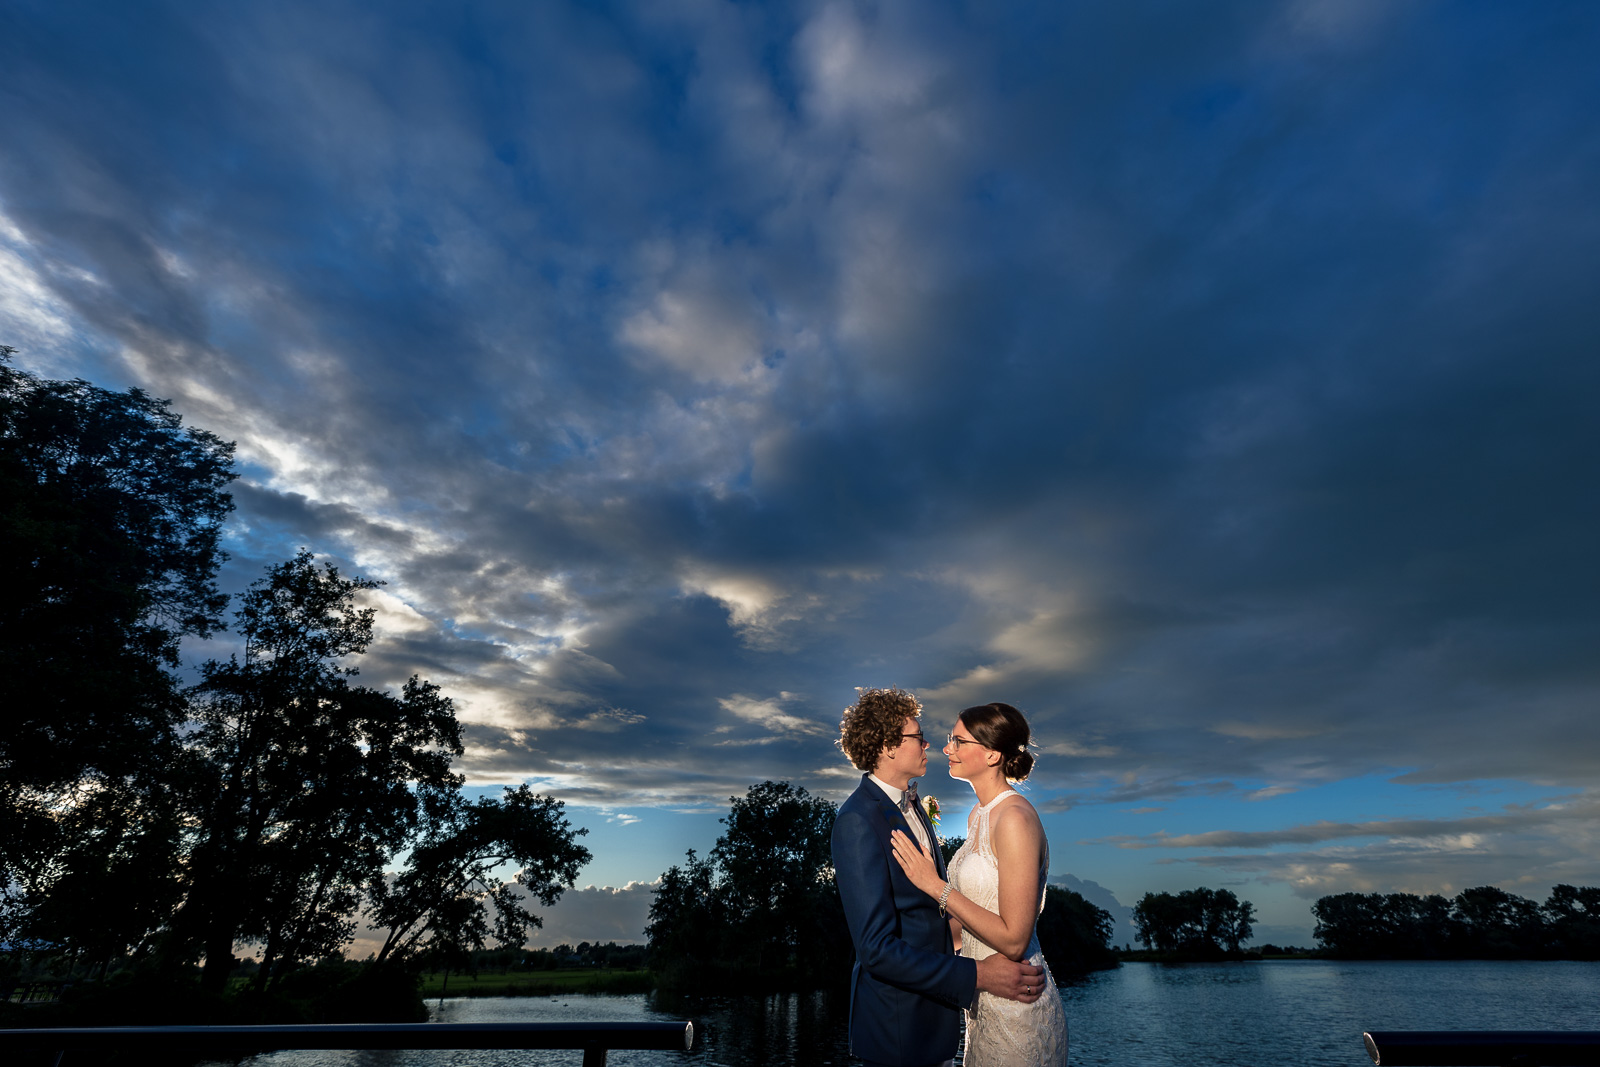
{"points": [[896, 795]]}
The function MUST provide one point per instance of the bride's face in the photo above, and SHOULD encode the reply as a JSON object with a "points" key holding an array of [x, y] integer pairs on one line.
{"points": [[965, 754]]}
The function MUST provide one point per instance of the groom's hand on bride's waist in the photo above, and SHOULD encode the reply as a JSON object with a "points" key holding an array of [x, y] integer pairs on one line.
{"points": [[1010, 979]]}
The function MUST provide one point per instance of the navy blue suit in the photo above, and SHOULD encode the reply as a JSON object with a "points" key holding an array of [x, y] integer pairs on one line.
{"points": [[907, 982]]}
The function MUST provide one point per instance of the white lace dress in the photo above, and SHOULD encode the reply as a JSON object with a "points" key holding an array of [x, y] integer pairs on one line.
{"points": [[1004, 1033]]}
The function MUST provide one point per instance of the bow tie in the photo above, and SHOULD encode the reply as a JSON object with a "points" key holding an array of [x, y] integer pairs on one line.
{"points": [[909, 800]]}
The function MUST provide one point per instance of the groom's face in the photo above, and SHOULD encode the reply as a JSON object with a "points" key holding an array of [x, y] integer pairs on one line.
{"points": [[909, 759]]}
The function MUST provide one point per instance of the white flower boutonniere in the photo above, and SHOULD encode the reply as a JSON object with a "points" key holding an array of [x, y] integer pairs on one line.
{"points": [[931, 805]]}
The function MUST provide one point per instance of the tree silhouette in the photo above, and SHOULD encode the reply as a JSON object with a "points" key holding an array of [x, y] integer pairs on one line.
{"points": [[441, 902], [1075, 935], [1196, 923], [109, 878], [308, 783], [1495, 923], [260, 805], [776, 862], [110, 511], [1393, 925], [688, 923], [762, 904], [1159, 920], [109, 517], [1573, 914]]}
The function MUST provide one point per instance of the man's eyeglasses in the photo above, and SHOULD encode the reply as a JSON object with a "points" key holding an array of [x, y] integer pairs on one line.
{"points": [[959, 741], [921, 738]]}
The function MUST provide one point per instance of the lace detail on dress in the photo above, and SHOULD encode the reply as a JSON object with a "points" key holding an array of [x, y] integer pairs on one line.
{"points": [[1004, 1033]]}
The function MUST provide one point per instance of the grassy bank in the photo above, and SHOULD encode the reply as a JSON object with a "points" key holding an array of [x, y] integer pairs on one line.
{"points": [[536, 983]]}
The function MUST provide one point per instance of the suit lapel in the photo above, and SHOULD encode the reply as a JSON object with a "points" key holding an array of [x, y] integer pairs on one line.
{"points": [[890, 809], [892, 812]]}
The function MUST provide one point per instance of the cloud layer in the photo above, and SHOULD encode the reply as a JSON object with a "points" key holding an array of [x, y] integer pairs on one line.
{"points": [[1214, 383]]}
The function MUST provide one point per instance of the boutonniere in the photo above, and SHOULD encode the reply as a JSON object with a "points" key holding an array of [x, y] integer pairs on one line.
{"points": [[931, 804]]}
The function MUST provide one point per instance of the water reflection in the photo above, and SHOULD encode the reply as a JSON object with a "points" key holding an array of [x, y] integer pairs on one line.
{"points": [[1294, 1013], [781, 1028], [1311, 1013]]}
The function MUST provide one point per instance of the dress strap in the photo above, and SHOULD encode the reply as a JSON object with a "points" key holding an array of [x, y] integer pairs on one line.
{"points": [[981, 824], [1008, 793]]}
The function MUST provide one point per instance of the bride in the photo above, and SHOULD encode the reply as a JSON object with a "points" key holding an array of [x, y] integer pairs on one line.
{"points": [[996, 888]]}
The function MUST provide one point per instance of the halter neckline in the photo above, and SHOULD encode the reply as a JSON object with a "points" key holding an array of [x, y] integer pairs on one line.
{"points": [[1008, 793]]}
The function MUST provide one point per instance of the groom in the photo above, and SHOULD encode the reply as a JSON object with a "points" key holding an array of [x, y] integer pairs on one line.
{"points": [[907, 983]]}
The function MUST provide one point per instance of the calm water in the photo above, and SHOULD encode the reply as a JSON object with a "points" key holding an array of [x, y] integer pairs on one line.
{"points": [[1297, 1014]]}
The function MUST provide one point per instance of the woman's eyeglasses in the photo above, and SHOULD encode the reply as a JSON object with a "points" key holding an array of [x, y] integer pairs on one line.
{"points": [[959, 741]]}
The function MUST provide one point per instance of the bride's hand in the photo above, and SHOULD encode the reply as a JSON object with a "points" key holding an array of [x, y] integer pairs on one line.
{"points": [[917, 864]]}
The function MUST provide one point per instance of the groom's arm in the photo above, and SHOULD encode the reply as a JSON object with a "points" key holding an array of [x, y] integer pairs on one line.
{"points": [[861, 871]]}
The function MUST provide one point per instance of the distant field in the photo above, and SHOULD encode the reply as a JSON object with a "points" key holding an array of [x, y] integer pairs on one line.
{"points": [[536, 983]]}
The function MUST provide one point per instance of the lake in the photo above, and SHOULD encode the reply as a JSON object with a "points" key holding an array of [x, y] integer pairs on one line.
{"points": [[1301, 1013]]}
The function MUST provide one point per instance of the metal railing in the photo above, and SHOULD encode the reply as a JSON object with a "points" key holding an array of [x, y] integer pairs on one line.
{"points": [[594, 1039], [1483, 1048]]}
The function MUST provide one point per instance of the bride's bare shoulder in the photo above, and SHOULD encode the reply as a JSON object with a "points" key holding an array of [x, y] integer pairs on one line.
{"points": [[1016, 812]]}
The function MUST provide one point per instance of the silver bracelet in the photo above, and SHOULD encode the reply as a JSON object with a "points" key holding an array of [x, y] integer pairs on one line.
{"points": [[944, 898]]}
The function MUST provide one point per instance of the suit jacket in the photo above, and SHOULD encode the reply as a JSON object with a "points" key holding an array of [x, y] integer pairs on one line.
{"points": [[907, 981]]}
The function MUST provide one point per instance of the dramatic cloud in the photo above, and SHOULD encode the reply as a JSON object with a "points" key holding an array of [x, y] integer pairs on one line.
{"points": [[1466, 831], [1216, 383], [596, 913]]}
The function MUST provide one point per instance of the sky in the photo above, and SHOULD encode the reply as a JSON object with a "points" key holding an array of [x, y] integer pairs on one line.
{"points": [[1216, 383]]}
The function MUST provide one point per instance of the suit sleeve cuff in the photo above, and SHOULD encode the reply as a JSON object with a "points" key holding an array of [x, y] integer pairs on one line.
{"points": [[969, 980]]}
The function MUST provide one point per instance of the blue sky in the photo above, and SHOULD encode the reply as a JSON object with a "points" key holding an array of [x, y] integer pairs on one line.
{"points": [[1214, 382]]}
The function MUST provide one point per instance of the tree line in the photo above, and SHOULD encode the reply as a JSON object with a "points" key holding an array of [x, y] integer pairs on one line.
{"points": [[1481, 923], [148, 824], [762, 905], [1485, 922], [1195, 924]]}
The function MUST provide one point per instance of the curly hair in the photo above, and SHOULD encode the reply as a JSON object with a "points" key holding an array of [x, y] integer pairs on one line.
{"points": [[1003, 728], [873, 723]]}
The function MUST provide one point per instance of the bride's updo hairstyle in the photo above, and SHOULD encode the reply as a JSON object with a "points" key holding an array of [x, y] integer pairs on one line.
{"points": [[1002, 728]]}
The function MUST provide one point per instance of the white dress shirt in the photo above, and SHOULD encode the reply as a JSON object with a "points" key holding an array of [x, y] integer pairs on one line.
{"points": [[918, 830]]}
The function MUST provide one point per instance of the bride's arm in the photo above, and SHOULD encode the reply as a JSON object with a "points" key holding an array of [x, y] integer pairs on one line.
{"points": [[1018, 842]]}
